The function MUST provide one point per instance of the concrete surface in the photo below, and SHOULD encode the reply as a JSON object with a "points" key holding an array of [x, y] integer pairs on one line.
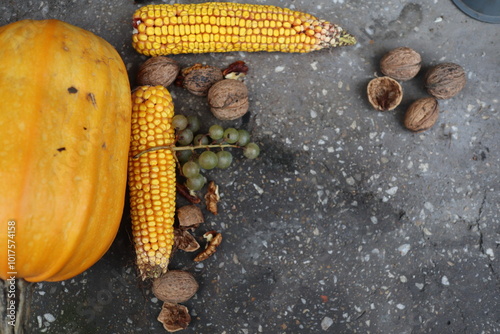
{"points": [[347, 223]]}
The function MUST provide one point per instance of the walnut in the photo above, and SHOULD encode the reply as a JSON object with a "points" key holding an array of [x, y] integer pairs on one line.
{"points": [[401, 63], [422, 114], [158, 71], [228, 99], [190, 215], [174, 317], [384, 93], [175, 286], [199, 78], [445, 80]]}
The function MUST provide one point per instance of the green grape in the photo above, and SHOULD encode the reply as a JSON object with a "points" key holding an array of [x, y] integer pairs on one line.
{"points": [[185, 137], [225, 159], [244, 137], [231, 135], [251, 151], [216, 132], [190, 169], [208, 160], [194, 123], [179, 122], [184, 155], [196, 183], [200, 139]]}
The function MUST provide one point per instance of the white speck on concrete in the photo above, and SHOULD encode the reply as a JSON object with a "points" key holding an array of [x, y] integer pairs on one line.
{"points": [[429, 206], [404, 249], [279, 69], [424, 167], [314, 65], [427, 231], [400, 306], [314, 114], [374, 220], [403, 279], [392, 191], [439, 19], [490, 253], [259, 189], [419, 286], [49, 317], [350, 180], [445, 281], [326, 323]]}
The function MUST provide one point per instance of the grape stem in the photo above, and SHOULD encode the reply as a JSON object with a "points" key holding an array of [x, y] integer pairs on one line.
{"points": [[182, 148]]}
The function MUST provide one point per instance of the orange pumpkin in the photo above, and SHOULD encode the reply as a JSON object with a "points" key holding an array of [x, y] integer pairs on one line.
{"points": [[64, 140]]}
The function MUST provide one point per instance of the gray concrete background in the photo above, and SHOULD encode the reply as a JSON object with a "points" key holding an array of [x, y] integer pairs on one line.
{"points": [[347, 223]]}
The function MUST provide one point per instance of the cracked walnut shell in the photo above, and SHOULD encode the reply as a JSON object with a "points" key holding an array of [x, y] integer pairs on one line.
{"points": [[174, 317], [384, 93], [228, 99], [401, 63], [422, 114]]}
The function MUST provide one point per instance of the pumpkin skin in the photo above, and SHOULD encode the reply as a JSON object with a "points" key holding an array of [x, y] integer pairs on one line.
{"points": [[64, 139]]}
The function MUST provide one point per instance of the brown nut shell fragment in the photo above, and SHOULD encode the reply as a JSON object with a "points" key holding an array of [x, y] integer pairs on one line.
{"points": [[228, 99], [184, 240], [190, 215], [384, 93], [237, 70], [158, 71], [445, 80], [214, 239], [422, 114], [401, 63], [212, 197], [175, 286], [199, 78], [174, 317]]}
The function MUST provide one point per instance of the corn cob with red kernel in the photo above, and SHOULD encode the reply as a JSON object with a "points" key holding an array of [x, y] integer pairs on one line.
{"points": [[225, 26], [152, 180]]}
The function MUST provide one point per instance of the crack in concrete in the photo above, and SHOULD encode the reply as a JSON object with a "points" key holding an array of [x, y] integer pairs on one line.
{"points": [[481, 241]]}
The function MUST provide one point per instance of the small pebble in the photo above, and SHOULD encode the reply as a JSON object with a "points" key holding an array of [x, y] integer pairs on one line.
{"points": [[326, 323]]}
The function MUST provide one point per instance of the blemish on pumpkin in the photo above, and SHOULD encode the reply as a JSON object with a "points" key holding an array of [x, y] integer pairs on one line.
{"points": [[60, 149], [91, 98], [103, 145], [84, 128], [72, 90]]}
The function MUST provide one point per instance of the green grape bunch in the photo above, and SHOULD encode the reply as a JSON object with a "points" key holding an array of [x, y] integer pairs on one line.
{"points": [[198, 152]]}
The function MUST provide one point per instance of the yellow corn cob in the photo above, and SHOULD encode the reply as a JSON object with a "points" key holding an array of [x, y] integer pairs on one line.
{"points": [[152, 179], [224, 26]]}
